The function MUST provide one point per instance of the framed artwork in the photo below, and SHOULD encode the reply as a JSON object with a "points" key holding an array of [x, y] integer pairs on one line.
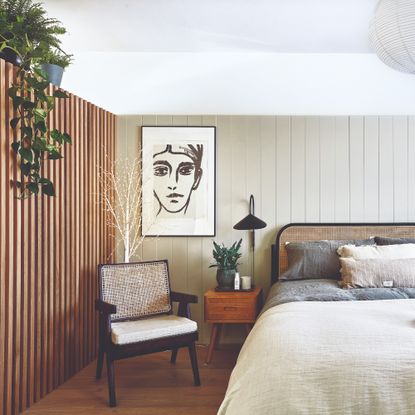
{"points": [[178, 176]]}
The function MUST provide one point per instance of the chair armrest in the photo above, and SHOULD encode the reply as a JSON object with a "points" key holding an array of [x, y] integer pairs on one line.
{"points": [[105, 308], [183, 298], [184, 301]]}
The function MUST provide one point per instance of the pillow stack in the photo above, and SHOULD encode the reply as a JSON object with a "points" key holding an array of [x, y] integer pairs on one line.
{"points": [[316, 259], [378, 266]]}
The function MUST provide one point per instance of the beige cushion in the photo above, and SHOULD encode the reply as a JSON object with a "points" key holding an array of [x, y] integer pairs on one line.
{"points": [[151, 328], [377, 272], [375, 251]]}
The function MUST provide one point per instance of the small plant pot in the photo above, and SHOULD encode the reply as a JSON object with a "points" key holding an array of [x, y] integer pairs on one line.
{"points": [[54, 73], [225, 278], [9, 55]]}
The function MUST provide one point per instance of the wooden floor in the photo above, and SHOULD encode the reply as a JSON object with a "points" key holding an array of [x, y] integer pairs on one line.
{"points": [[146, 385]]}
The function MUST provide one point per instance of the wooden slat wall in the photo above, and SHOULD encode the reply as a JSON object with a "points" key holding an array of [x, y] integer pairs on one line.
{"points": [[49, 250]]}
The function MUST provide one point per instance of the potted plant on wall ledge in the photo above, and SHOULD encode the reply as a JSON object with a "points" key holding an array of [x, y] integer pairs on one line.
{"points": [[25, 23], [54, 62], [227, 263], [27, 36]]}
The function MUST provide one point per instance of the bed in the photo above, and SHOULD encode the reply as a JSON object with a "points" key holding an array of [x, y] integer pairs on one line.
{"points": [[319, 349]]}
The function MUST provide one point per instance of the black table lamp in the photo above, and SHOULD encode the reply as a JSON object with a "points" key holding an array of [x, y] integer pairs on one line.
{"points": [[250, 223]]}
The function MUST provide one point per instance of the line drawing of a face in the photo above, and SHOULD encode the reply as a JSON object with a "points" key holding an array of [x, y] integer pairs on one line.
{"points": [[177, 173]]}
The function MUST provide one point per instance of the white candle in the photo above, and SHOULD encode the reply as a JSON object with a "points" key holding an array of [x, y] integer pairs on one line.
{"points": [[246, 282]]}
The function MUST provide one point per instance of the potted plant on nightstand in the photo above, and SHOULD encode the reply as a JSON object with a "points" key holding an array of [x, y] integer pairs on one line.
{"points": [[226, 262]]}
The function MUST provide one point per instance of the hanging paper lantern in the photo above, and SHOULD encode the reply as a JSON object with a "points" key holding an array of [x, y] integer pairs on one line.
{"points": [[392, 34]]}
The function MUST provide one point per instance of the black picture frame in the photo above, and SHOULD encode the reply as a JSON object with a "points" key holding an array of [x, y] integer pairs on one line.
{"points": [[209, 163]]}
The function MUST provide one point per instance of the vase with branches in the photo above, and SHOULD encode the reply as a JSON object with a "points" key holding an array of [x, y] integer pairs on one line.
{"points": [[121, 198]]}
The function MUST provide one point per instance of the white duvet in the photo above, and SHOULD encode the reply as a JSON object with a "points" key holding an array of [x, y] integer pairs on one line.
{"points": [[346, 357]]}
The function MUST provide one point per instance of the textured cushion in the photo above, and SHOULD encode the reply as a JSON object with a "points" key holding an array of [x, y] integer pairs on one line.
{"points": [[126, 332], [137, 289], [316, 259], [383, 240], [375, 251], [375, 273]]}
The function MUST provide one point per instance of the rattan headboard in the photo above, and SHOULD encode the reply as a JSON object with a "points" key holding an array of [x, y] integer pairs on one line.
{"points": [[296, 232]]}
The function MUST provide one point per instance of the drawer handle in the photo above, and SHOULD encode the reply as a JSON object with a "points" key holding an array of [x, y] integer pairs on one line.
{"points": [[230, 308]]}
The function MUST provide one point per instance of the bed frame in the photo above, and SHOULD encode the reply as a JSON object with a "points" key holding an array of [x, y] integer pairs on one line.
{"points": [[297, 232]]}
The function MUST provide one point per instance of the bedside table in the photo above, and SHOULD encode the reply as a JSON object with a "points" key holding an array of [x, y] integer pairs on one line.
{"points": [[230, 307]]}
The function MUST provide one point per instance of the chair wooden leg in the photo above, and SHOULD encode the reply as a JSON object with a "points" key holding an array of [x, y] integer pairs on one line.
{"points": [[173, 356], [193, 359], [111, 380], [100, 361]]}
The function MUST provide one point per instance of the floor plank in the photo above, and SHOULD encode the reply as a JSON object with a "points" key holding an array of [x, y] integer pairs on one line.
{"points": [[146, 385]]}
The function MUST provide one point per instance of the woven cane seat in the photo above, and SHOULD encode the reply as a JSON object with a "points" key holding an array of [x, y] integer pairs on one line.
{"points": [[151, 328], [137, 289]]}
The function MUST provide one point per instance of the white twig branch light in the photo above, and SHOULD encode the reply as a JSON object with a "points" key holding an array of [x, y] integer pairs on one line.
{"points": [[121, 197]]}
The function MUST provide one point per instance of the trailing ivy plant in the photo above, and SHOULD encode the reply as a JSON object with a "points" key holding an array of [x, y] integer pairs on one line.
{"points": [[35, 143], [27, 32]]}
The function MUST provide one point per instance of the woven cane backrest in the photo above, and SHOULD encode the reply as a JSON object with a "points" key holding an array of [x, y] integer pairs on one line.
{"points": [[137, 289], [316, 232]]}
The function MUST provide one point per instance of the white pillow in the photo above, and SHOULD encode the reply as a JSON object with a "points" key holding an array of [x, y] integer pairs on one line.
{"points": [[377, 273], [401, 251]]}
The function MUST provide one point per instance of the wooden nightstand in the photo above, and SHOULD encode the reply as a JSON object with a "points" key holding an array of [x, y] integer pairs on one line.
{"points": [[233, 307]]}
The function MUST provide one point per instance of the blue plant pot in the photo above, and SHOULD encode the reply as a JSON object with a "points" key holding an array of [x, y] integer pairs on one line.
{"points": [[54, 73]]}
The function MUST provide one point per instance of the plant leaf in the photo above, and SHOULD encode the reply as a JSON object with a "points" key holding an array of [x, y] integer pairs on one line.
{"points": [[26, 154], [17, 101], [41, 126], [60, 94], [54, 155], [39, 144], [27, 105], [14, 122], [40, 72], [12, 91], [33, 188], [40, 115], [57, 136], [67, 138], [16, 146], [48, 189], [27, 132], [25, 168]]}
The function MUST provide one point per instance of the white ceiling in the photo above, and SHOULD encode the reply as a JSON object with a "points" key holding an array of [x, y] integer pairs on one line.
{"points": [[283, 26], [229, 57]]}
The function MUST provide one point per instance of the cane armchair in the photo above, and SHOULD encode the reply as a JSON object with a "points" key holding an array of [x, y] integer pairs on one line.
{"points": [[135, 316]]}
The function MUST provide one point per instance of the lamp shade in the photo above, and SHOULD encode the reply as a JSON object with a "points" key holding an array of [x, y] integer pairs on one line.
{"points": [[392, 34], [250, 222]]}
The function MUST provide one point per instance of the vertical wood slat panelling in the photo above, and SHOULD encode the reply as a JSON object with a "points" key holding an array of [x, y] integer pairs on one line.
{"points": [[318, 169], [49, 250]]}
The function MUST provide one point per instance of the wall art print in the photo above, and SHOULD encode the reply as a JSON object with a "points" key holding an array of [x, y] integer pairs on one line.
{"points": [[178, 176]]}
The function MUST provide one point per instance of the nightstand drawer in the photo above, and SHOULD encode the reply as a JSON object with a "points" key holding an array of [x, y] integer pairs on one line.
{"points": [[232, 306], [232, 311]]}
